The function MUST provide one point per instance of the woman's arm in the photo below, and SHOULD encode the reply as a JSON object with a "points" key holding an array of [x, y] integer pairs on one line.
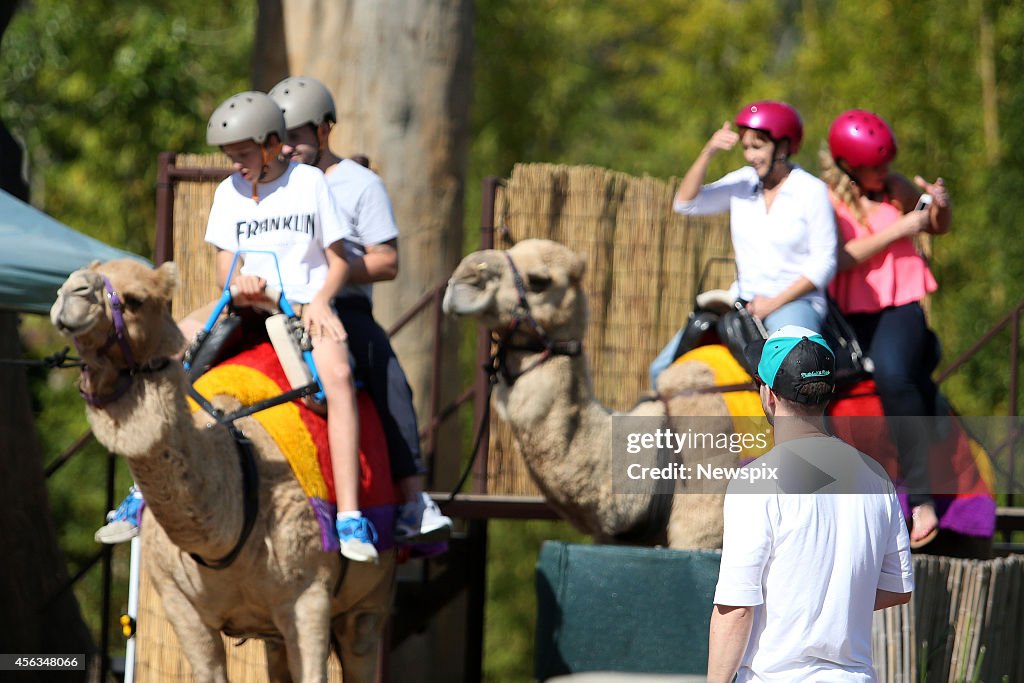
{"points": [[857, 251], [940, 213], [941, 210], [763, 306], [722, 140]]}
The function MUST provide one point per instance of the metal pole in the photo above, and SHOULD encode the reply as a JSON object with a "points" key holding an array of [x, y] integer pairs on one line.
{"points": [[1014, 372], [164, 248], [133, 607], [477, 528], [483, 345], [108, 577], [435, 384]]}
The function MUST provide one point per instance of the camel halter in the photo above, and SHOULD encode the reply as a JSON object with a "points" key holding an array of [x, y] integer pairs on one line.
{"points": [[246, 458], [119, 334], [542, 343]]}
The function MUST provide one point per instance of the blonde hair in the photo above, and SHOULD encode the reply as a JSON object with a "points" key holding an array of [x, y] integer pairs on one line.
{"points": [[841, 184]]}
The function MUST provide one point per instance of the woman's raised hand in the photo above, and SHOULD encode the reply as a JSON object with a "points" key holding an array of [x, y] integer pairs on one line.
{"points": [[940, 197], [723, 139]]}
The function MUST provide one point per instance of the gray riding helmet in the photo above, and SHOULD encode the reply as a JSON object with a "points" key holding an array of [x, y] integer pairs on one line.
{"points": [[248, 115], [304, 100]]}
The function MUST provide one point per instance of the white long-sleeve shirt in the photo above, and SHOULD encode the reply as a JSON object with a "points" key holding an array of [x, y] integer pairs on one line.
{"points": [[797, 237]]}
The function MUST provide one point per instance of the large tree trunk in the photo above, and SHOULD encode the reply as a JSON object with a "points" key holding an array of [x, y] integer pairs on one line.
{"points": [[400, 73], [34, 618]]}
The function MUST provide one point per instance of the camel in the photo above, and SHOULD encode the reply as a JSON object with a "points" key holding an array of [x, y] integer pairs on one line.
{"points": [[530, 295], [281, 587]]}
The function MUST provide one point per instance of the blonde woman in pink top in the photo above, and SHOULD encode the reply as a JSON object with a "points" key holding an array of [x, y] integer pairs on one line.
{"points": [[880, 284]]}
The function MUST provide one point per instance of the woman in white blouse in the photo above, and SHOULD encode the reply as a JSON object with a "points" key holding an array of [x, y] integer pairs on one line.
{"points": [[782, 222]]}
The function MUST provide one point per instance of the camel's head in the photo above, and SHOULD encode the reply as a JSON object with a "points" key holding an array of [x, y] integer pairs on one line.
{"points": [[84, 312], [484, 285]]}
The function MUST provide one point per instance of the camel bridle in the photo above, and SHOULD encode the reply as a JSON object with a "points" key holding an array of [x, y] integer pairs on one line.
{"points": [[524, 322], [246, 458], [118, 334]]}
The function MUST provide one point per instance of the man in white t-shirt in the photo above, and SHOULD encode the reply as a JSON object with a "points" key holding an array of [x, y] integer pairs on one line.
{"points": [[372, 252], [811, 551]]}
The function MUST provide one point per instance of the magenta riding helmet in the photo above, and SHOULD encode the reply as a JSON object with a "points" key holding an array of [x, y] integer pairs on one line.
{"points": [[861, 138], [777, 119]]}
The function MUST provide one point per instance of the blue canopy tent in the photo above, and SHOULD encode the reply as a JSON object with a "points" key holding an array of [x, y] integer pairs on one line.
{"points": [[38, 252]]}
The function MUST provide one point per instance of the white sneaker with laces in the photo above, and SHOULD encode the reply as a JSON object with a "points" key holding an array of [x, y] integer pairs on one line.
{"points": [[356, 537], [421, 521], [122, 523]]}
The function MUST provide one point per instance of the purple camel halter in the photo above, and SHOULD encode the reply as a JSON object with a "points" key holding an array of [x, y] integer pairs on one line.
{"points": [[118, 334]]}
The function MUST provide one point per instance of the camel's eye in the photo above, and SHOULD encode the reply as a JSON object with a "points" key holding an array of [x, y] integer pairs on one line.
{"points": [[537, 283], [132, 303]]}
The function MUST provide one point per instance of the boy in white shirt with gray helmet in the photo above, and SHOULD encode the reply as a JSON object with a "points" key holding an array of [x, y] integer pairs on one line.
{"points": [[272, 205]]}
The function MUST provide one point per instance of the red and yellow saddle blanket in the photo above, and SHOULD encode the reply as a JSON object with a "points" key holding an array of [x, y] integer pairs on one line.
{"points": [[960, 468], [256, 375]]}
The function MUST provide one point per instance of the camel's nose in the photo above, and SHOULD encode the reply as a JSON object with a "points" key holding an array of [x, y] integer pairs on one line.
{"points": [[82, 289]]}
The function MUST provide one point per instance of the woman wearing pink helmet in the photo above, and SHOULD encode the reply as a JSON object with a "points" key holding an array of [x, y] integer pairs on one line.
{"points": [[881, 281], [782, 223]]}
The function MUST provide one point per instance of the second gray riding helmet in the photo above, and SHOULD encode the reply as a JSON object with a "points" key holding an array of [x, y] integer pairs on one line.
{"points": [[304, 100]]}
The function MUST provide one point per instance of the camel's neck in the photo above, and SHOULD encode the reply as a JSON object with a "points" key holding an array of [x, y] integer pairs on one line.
{"points": [[565, 437], [548, 395], [189, 476]]}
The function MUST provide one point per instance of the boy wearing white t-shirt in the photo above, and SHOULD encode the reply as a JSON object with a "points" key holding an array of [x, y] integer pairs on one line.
{"points": [[809, 554], [272, 205]]}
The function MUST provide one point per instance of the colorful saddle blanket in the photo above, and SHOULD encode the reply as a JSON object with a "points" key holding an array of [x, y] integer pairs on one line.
{"points": [[968, 508], [254, 375]]}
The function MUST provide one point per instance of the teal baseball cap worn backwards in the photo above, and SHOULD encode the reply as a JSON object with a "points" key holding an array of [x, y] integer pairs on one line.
{"points": [[791, 358]]}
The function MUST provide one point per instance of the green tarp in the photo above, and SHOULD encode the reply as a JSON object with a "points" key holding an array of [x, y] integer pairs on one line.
{"points": [[38, 252], [621, 608]]}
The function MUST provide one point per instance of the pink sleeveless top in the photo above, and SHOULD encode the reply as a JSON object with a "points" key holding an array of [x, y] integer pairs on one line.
{"points": [[894, 276]]}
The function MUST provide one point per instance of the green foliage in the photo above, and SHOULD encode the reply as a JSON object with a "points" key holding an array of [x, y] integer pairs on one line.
{"points": [[97, 88], [513, 549], [618, 83]]}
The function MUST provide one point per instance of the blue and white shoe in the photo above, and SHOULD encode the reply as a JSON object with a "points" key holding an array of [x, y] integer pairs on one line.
{"points": [[123, 523], [421, 521], [356, 536]]}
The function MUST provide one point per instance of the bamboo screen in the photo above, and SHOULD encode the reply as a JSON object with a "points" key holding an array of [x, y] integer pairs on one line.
{"points": [[643, 266], [195, 258], [964, 623]]}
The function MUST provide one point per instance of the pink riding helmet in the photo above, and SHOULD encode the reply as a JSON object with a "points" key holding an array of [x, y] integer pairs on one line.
{"points": [[777, 119], [861, 138]]}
